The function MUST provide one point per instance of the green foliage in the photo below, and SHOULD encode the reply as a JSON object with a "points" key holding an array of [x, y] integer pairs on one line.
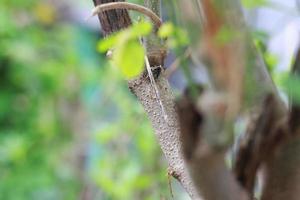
{"points": [[176, 37], [128, 53], [271, 60], [250, 4], [36, 59], [166, 30], [126, 166], [290, 84], [50, 74], [226, 35], [130, 58]]}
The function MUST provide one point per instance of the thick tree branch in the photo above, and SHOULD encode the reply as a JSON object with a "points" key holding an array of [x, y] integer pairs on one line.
{"points": [[228, 71], [282, 170], [266, 133], [168, 131], [214, 18], [282, 174], [269, 139], [205, 161]]}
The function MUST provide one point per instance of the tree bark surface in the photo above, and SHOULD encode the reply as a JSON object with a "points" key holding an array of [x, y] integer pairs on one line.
{"points": [[166, 130]]}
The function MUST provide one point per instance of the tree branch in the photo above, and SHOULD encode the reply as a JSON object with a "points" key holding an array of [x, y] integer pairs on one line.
{"points": [[239, 72], [128, 6], [269, 140], [206, 162], [265, 134], [168, 131], [282, 170]]}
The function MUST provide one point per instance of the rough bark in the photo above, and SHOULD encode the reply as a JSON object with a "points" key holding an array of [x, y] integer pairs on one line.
{"points": [[113, 20], [168, 131]]}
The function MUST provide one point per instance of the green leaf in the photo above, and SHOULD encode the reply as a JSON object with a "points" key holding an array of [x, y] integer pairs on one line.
{"points": [[182, 37], [250, 4], [225, 35], [129, 57], [128, 52], [107, 43], [134, 32], [166, 30], [142, 28], [177, 37], [271, 61], [291, 85]]}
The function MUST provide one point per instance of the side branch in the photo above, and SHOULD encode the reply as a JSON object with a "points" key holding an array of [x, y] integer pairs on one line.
{"points": [[128, 6], [282, 170], [206, 162]]}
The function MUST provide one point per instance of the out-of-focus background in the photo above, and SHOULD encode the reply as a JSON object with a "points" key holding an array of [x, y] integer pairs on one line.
{"points": [[69, 127]]}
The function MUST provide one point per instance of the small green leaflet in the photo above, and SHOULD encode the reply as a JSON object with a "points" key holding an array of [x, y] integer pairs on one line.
{"points": [[129, 57], [291, 85], [166, 30], [226, 35], [176, 37], [128, 53], [250, 4]]}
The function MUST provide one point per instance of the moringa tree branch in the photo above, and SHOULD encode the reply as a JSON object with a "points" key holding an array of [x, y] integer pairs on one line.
{"points": [[168, 131], [128, 6], [273, 142], [282, 174], [229, 73], [206, 162]]}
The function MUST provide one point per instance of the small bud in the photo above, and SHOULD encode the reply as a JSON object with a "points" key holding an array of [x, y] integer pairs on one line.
{"points": [[109, 54]]}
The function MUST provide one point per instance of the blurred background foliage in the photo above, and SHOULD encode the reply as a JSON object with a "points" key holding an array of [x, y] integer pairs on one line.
{"points": [[69, 127]]}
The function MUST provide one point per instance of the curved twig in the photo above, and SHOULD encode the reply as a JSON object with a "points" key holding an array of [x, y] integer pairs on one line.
{"points": [[129, 6]]}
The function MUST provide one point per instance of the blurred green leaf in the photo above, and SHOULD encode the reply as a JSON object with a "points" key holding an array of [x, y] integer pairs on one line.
{"points": [[140, 29], [225, 35], [129, 57], [250, 4], [176, 36], [291, 85], [128, 53], [166, 30], [107, 43]]}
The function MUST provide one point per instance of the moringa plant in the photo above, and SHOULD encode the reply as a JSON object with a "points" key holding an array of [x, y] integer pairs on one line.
{"points": [[197, 131]]}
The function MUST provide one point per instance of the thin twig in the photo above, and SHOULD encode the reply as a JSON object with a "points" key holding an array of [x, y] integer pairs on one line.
{"points": [[170, 185], [129, 6], [154, 85]]}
